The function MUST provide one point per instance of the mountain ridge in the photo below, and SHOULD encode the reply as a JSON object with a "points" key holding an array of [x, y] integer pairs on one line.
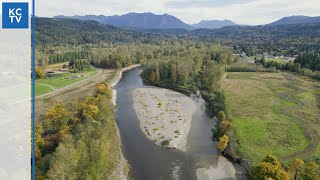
{"points": [[137, 20], [168, 22], [214, 24], [296, 20]]}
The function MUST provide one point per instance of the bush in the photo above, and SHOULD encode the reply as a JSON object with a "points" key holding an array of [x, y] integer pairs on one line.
{"points": [[39, 73], [270, 167], [165, 143], [223, 143]]}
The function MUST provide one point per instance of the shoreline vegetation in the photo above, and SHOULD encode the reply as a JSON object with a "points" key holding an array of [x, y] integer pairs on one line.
{"points": [[62, 145]]}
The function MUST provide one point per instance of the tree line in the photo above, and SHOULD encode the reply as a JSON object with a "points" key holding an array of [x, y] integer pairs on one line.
{"points": [[78, 140], [193, 67], [67, 56]]}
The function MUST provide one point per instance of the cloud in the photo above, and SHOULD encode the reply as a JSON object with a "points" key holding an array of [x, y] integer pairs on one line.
{"points": [[202, 3], [190, 11]]}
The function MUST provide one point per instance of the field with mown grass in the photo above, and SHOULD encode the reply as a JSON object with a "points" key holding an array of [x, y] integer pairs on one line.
{"points": [[46, 85], [274, 113]]}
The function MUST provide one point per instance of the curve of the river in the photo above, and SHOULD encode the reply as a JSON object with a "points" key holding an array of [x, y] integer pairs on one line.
{"points": [[151, 162]]}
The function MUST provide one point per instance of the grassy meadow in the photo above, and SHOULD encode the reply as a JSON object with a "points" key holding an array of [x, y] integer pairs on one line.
{"points": [[274, 113], [47, 85]]}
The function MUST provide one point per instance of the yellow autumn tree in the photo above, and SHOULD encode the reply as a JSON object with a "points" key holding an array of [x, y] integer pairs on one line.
{"points": [[270, 167], [57, 118], [39, 142], [101, 88], [39, 73], [221, 116], [90, 112], [311, 171], [296, 167], [223, 143]]}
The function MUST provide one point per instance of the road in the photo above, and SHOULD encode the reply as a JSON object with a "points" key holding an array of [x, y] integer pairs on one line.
{"points": [[55, 91]]}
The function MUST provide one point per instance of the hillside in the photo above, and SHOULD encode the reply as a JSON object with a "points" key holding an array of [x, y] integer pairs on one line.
{"points": [[297, 20], [294, 37], [137, 20], [75, 32]]}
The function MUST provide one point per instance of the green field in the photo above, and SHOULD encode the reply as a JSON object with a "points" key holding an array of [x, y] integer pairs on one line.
{"points": [[274, 113], [47, 85]]}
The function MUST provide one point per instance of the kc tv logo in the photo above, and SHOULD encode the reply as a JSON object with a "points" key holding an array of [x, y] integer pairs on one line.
{"points": [[15, 15]]}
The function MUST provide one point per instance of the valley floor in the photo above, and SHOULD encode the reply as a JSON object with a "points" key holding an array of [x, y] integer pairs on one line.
{"points": [[274, 113]]}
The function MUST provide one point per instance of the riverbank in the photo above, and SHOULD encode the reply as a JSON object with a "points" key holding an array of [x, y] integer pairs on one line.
{"points": [[118, 76], [165, 116], [122, 170]]}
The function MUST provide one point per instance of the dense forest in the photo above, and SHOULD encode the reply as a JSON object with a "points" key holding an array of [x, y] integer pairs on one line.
{"points": [[68, 56], [78, 140], [51, 31], [288, 40], [309, 60]]}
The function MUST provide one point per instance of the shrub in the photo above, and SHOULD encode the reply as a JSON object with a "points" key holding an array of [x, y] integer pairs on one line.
{"points": [[270, 167], [224, 126], [165, 143], [223, 143]]}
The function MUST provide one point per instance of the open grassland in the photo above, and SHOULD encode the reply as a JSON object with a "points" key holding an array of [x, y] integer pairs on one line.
{"points": [[87, 88], [46, 85], [274, 113]]}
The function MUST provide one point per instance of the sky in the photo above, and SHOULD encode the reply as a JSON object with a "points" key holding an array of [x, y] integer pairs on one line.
{"points": [[250, 12]]}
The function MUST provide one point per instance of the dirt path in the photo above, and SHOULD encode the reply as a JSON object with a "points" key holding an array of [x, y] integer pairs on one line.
{"points": [[47, 86]]}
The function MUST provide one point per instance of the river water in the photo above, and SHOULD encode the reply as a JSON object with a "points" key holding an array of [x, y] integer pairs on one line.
{"points": [[151, 162]]}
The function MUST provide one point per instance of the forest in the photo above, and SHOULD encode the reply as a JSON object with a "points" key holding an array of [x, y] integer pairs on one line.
{"points": [[195, 60], [287, 40], [78, 140]]}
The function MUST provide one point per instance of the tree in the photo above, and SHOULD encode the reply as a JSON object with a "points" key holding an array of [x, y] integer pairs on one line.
{"points": [[221, 116], [224, 126], [297, 166], [101, 88], [271, 159], [39, 143], [270, 167], [310, 172], [57, 118], [90, 112], [65, 161], [267, 170], [223, 143], [39, 73], [108, 91]]}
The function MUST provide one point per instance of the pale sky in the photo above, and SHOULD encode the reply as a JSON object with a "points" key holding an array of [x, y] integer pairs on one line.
{"points": [[252, 12]]}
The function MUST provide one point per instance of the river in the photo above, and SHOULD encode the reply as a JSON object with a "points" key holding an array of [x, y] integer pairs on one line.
{"points": [[151, 162]]}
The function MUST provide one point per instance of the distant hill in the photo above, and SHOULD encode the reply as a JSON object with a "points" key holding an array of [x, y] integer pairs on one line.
{"points": [[297, 20], [73, 31], [214, 24], [137, 20]]}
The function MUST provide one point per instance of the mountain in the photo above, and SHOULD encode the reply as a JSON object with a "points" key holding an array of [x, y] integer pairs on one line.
{"points": [[214, 24], [137, 20], [297, 20]]}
